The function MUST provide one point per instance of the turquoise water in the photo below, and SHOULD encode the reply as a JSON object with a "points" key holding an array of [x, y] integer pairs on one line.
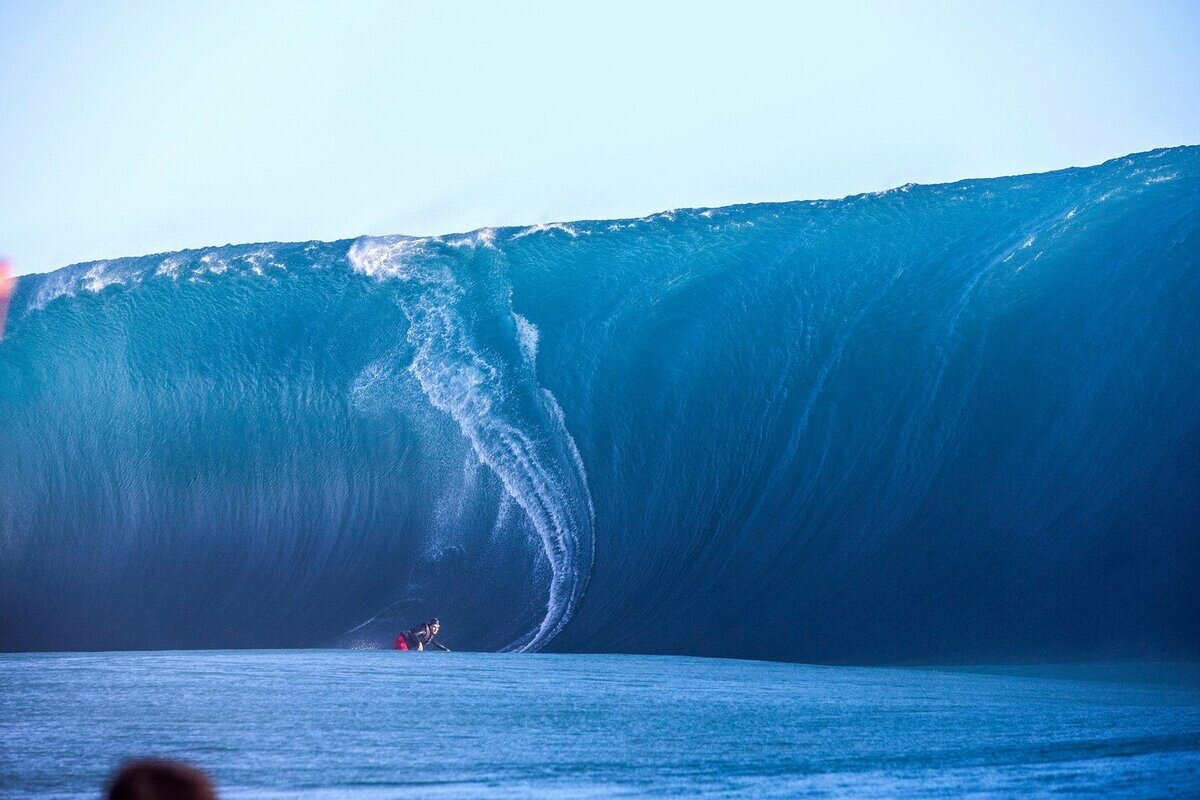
{"points": [[373, 724], [940, 424]]}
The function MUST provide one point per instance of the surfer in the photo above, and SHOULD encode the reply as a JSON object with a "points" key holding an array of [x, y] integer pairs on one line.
{"points": [[421, 637]]}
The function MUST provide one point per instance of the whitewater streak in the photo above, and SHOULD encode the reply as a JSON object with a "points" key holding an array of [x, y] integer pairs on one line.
{"points": [[526, 444]]}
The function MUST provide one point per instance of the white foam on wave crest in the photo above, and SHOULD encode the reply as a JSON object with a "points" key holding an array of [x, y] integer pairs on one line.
{"points": [[212, 263], [484, 237], [101, 276], [195, 266], [531, 452], [545, 227], [260, 261], [169, 268], [400, 256], [93, 278]]}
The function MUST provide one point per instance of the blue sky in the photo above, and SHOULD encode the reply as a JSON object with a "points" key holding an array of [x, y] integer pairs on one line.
{"points": [[137, 127]]}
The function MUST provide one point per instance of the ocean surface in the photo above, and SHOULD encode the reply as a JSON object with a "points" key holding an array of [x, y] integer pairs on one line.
{"points": [[374, 725], [935, 424]]}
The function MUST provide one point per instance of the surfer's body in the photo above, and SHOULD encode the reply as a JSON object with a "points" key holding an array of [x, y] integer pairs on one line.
{"points": [[421, 637]]}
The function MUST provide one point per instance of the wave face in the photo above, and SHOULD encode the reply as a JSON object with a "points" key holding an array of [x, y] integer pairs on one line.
{"points": [[935, 423]]}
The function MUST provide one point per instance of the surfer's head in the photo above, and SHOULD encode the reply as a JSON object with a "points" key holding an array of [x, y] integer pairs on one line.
{"points": [[434, 626]]}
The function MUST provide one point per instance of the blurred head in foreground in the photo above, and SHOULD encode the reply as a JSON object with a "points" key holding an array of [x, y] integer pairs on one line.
{"points": [[6, 290], [160, 780]]}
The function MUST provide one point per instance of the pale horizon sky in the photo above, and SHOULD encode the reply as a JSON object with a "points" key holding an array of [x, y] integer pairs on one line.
{"points": [[138, 127]]}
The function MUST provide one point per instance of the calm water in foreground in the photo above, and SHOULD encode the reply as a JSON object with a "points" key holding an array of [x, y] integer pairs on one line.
{"points": [[376, 724]]}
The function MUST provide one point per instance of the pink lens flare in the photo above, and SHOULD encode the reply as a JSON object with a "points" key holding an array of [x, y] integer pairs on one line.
{"points": [[7, 284]]}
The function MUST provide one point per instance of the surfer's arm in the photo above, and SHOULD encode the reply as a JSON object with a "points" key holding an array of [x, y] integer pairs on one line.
{"points": [[438, 645]]}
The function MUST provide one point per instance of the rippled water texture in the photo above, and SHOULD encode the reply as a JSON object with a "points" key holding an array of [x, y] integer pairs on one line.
{"points": [[320, 724]]}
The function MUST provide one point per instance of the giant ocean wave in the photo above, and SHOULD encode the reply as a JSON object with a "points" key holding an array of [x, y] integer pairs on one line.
{"points": [[934, 423]]}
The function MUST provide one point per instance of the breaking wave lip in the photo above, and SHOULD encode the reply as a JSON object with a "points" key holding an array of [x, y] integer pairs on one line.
{"points": [[539, 467]]}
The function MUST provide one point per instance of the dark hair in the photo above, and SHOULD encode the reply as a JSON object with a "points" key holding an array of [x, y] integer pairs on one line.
{"points": [[155, 779]]}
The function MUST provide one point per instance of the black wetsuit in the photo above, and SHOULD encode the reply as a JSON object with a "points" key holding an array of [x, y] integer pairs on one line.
{"points": [[422, 635]]}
